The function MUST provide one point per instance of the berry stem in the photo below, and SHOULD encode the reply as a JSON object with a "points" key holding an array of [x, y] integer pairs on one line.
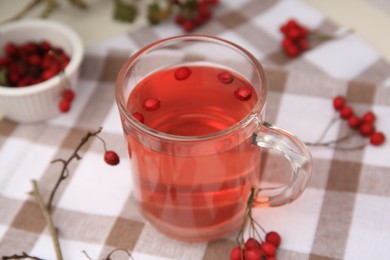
{"points": [[64, 172], [329, 143], [328, 127]]}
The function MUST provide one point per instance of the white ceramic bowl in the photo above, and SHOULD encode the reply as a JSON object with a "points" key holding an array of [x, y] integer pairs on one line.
{"points": [[39, 102]]}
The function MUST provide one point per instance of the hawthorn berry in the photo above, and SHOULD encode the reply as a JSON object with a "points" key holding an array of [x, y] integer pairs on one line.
{"points": [[68, 94], [64, 105], [346, 112], [243, 93], [253, 253], [273, 238], [139, 117], [369, 117], [366, 129], [187, 25], [377, 138], [268, 248], [251, 243], [339, 102], [31, 63], [236, 253], [295, 39], [354, 121], [225, 77], [152, 104], [182, 73], [111, 158]]}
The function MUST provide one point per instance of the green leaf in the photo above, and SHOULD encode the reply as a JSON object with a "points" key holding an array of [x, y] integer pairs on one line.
{"points": [[3, 76], [125, 12]]}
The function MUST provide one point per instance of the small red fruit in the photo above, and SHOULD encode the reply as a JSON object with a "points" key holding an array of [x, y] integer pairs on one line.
{"points": [[377, 138], [366, 129], [68, 94], [236, 253], [152, 104], [346, 112], [268, 248], [187, 25], [354, 121], [273, 238], [225, 77], [34, 59], [111, 158], [253, 254], [251, 243], [243, 93], [139, 117], [339, 102], [369, 117], [182, 73], [292, 51], [64, 105]]}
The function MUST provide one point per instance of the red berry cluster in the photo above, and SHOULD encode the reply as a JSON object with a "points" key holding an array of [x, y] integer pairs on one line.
{"points": [[295, 39], [31, 63], [194, 13], [365, 124], [255, 250], [66, 100]]}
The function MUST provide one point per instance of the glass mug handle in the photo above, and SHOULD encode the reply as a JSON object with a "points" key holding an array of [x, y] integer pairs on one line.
{"points": [[271, 137]]}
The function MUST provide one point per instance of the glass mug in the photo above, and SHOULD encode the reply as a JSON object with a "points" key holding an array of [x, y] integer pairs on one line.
{"points": [[192, 111]]}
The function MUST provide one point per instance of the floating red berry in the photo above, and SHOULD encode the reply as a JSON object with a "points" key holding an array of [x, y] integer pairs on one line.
{"points": [[225, 77], [182, 73], [236, 253], [152, 104], [243, 93], [366, 129], [273, 238], [346, 112], [377, 138], [139, 117], [111, 158], [64, 105], [369, 117]]}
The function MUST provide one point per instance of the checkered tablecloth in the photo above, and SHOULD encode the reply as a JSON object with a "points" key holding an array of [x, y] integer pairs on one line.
{"points": [[344, 213]]}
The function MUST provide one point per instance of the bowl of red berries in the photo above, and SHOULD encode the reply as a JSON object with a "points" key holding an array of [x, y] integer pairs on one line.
{"points": [[39, 67]]}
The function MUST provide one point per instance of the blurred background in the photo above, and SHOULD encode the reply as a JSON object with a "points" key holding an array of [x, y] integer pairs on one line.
{"points": [[370, 19]]}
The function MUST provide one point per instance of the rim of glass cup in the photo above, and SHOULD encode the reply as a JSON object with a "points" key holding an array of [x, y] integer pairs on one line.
{"points": [[122, 104]]}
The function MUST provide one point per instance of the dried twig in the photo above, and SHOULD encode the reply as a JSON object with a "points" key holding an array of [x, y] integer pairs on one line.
{"points": [[64, 171]]}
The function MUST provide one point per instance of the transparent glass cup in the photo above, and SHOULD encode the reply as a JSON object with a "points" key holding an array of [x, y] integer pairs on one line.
{"points": [[195, 188]]}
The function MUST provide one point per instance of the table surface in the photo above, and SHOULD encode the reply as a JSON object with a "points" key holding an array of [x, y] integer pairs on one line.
{"points": [[343, 214]]}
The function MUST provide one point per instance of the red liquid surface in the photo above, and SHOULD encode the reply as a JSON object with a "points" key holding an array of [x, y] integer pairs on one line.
{"points": [[193, 191]]}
